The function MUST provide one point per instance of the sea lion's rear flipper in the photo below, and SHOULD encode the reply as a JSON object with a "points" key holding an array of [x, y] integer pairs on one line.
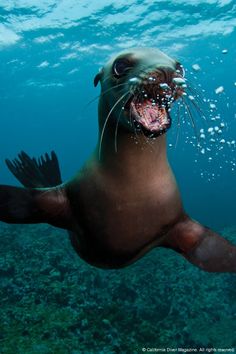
{"points": [[35, 204], [202, 247], [32, 172]]}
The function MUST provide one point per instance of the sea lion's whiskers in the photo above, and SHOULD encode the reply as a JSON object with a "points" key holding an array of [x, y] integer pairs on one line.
{"points": [[116, 131], [106, 120], [102, 94], [196, 102], [197, 107], [193, 91], [117, 125], [191, 118], [178, 124]]}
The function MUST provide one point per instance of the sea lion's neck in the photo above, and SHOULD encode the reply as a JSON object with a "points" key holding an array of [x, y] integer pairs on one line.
{"points": [[132, 153]]}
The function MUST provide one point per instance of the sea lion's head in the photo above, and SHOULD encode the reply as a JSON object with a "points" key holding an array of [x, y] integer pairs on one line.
{"points": [[138, 88]]}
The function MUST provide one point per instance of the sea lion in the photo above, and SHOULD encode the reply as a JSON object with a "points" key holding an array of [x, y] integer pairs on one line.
{"points": [[125, 200]]}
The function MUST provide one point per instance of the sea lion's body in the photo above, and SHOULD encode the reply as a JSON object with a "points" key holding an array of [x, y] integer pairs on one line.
{"points": [[124, 200], [121, 215]]}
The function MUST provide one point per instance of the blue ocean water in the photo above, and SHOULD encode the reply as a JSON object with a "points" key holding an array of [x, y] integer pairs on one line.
{"points": [[50, 52]]}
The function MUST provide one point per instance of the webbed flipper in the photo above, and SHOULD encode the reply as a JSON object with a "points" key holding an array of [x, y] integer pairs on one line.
{"points": [[35, 173], [35, 204], [202, 247]]}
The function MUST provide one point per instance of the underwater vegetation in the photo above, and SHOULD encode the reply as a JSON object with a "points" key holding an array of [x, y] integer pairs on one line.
{"points": [[53, 302]]}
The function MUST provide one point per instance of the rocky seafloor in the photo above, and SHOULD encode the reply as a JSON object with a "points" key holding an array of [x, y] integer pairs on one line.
{"points": [[53, 302]]}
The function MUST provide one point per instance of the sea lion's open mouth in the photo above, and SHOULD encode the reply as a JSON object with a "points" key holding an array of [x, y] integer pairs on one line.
{"points": [[150, 115], [151, 102]]}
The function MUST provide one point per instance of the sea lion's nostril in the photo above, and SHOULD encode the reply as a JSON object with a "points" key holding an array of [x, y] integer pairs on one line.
{"points": [[165, 74]]}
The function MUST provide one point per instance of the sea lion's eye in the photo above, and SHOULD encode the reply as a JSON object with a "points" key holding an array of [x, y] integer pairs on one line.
{"points": [[120, 67], [180, 69]]}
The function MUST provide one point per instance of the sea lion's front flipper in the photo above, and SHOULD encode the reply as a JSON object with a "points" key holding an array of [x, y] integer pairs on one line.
{"points": [[29, 206], [202, 247], [34, 173], [34, 204]]}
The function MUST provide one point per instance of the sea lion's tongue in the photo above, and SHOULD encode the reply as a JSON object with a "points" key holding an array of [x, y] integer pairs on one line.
{"points": [[151, 115]]}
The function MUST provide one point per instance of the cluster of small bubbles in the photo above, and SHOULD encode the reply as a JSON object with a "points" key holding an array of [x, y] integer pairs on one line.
{"points": [[212, 144], [213, 118], [209, 176]]}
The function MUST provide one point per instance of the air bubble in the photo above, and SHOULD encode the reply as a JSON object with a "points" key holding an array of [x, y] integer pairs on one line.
{"points": [[164, 86], [212, 106], [196, 67], [179, 81], [134, 79], [219, 90]]}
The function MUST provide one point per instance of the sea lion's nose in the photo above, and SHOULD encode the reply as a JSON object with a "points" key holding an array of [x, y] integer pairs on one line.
{"points": [[161, 75], [165, 74]]}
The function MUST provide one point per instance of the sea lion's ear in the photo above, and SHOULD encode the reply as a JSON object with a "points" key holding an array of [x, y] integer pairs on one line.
{"points": [[98, 77]]}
